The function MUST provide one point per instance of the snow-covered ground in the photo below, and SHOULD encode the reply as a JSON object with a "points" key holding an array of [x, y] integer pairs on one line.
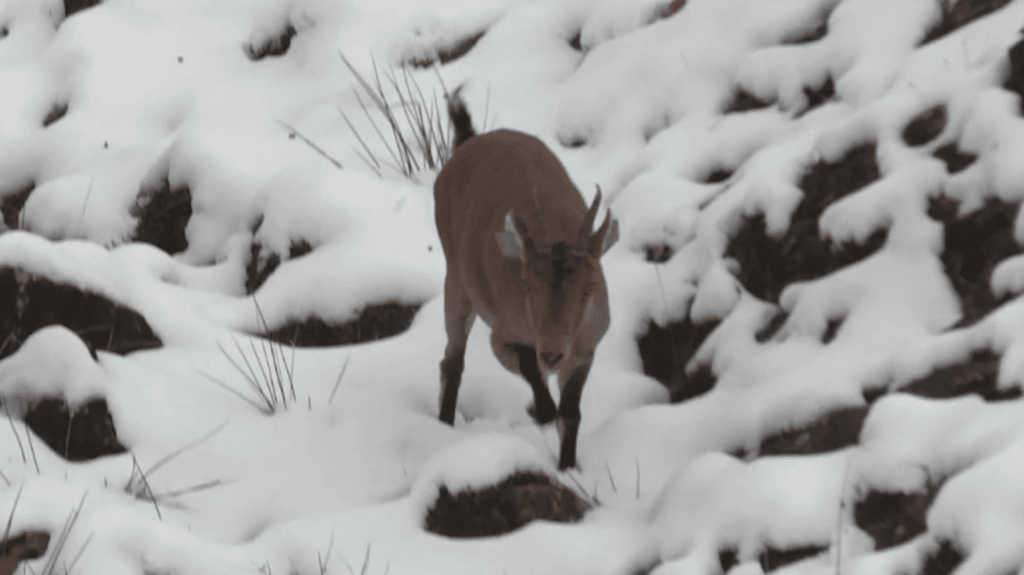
{"points": [[632, 96]]}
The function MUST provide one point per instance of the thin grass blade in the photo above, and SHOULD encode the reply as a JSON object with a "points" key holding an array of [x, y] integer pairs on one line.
{"points": [[355, 132], [187, 447]]}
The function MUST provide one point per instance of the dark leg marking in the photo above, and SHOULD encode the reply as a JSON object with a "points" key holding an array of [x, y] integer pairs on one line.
{"points": [[569, 411], [451, 377], [543, 404], [567, 458]]}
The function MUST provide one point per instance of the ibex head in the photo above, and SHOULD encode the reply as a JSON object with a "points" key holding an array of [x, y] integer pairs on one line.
{"points": [[558, 280]]}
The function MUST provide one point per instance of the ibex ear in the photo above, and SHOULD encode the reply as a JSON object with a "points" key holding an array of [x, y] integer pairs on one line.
{"points": [[605, 237], [509, 240]]}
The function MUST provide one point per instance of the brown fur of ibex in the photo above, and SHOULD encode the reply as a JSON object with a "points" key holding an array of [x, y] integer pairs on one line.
{"points": [[521, 254], [14, 550]]}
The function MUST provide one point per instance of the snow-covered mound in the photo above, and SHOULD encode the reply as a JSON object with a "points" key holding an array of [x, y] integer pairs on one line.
{"points": [[815, 357]]}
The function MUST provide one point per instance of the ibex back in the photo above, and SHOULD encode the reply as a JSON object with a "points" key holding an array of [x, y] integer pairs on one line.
{"points": [[522, 254]]}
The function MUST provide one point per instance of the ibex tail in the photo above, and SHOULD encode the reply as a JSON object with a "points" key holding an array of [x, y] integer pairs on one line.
{"points": [[460, 118]]}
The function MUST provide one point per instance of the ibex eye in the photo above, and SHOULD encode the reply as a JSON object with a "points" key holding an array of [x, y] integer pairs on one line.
{"points": [[588, 290]]}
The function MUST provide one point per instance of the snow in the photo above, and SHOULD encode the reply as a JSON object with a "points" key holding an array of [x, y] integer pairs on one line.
{"points": [[54, 362], [344, 475], [477, 462], [718, 502]]}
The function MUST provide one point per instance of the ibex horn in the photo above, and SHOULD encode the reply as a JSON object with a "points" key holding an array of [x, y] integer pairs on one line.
{"points": [[588, 222]]}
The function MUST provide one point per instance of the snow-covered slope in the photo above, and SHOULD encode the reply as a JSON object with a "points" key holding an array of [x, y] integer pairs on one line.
{"points": [[826, 189]]}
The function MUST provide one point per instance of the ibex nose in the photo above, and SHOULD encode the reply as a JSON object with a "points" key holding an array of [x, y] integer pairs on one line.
{"points": [[550, 358]]}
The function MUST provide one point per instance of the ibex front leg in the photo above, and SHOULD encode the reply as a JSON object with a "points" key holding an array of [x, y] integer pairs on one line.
{"points": [[522, 359], [458, 318], [569, 412], [543, 405]]}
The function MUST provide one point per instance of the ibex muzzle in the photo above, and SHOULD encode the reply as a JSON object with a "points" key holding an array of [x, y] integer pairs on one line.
{"points": [[523, 255]]}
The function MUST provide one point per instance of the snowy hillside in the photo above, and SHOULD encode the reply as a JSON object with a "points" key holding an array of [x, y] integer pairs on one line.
{"points": [[816, 353]]}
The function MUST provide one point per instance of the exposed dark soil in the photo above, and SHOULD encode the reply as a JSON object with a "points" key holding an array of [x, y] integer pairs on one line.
{"points": [[744, 101], [943, 560], [925, 127], [962, 12], [12, 203], [827, 182], [257, 271], [832, 330], [978, 375], [84, 434], [575, 41], [672, 8], [658, 253], [56, 113], [768, 264], [818, 96], [298, 249], [73, 6], [727, 559], [974, 244], [955, 159], [502, 508], [893, 518], [272, 46], [813, 34], [374, 322], [10, 312], [810, 36], [772, 559], [1015, 81], [450, 53], [719, 175], [163, 215], [698, 382], [665, 352], [773, 326], [835, 430], [889, 518], [29, 302], [573, 140]]}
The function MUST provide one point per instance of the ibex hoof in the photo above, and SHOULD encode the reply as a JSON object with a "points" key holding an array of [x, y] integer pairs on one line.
{"points": [[447, 416], [567, 463]]}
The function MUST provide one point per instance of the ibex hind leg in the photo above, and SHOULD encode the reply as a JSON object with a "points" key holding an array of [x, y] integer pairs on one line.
{"points": [[458, 321]]}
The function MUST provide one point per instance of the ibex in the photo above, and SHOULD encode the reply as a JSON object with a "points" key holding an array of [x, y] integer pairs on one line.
{"points": [[522, 254]]}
